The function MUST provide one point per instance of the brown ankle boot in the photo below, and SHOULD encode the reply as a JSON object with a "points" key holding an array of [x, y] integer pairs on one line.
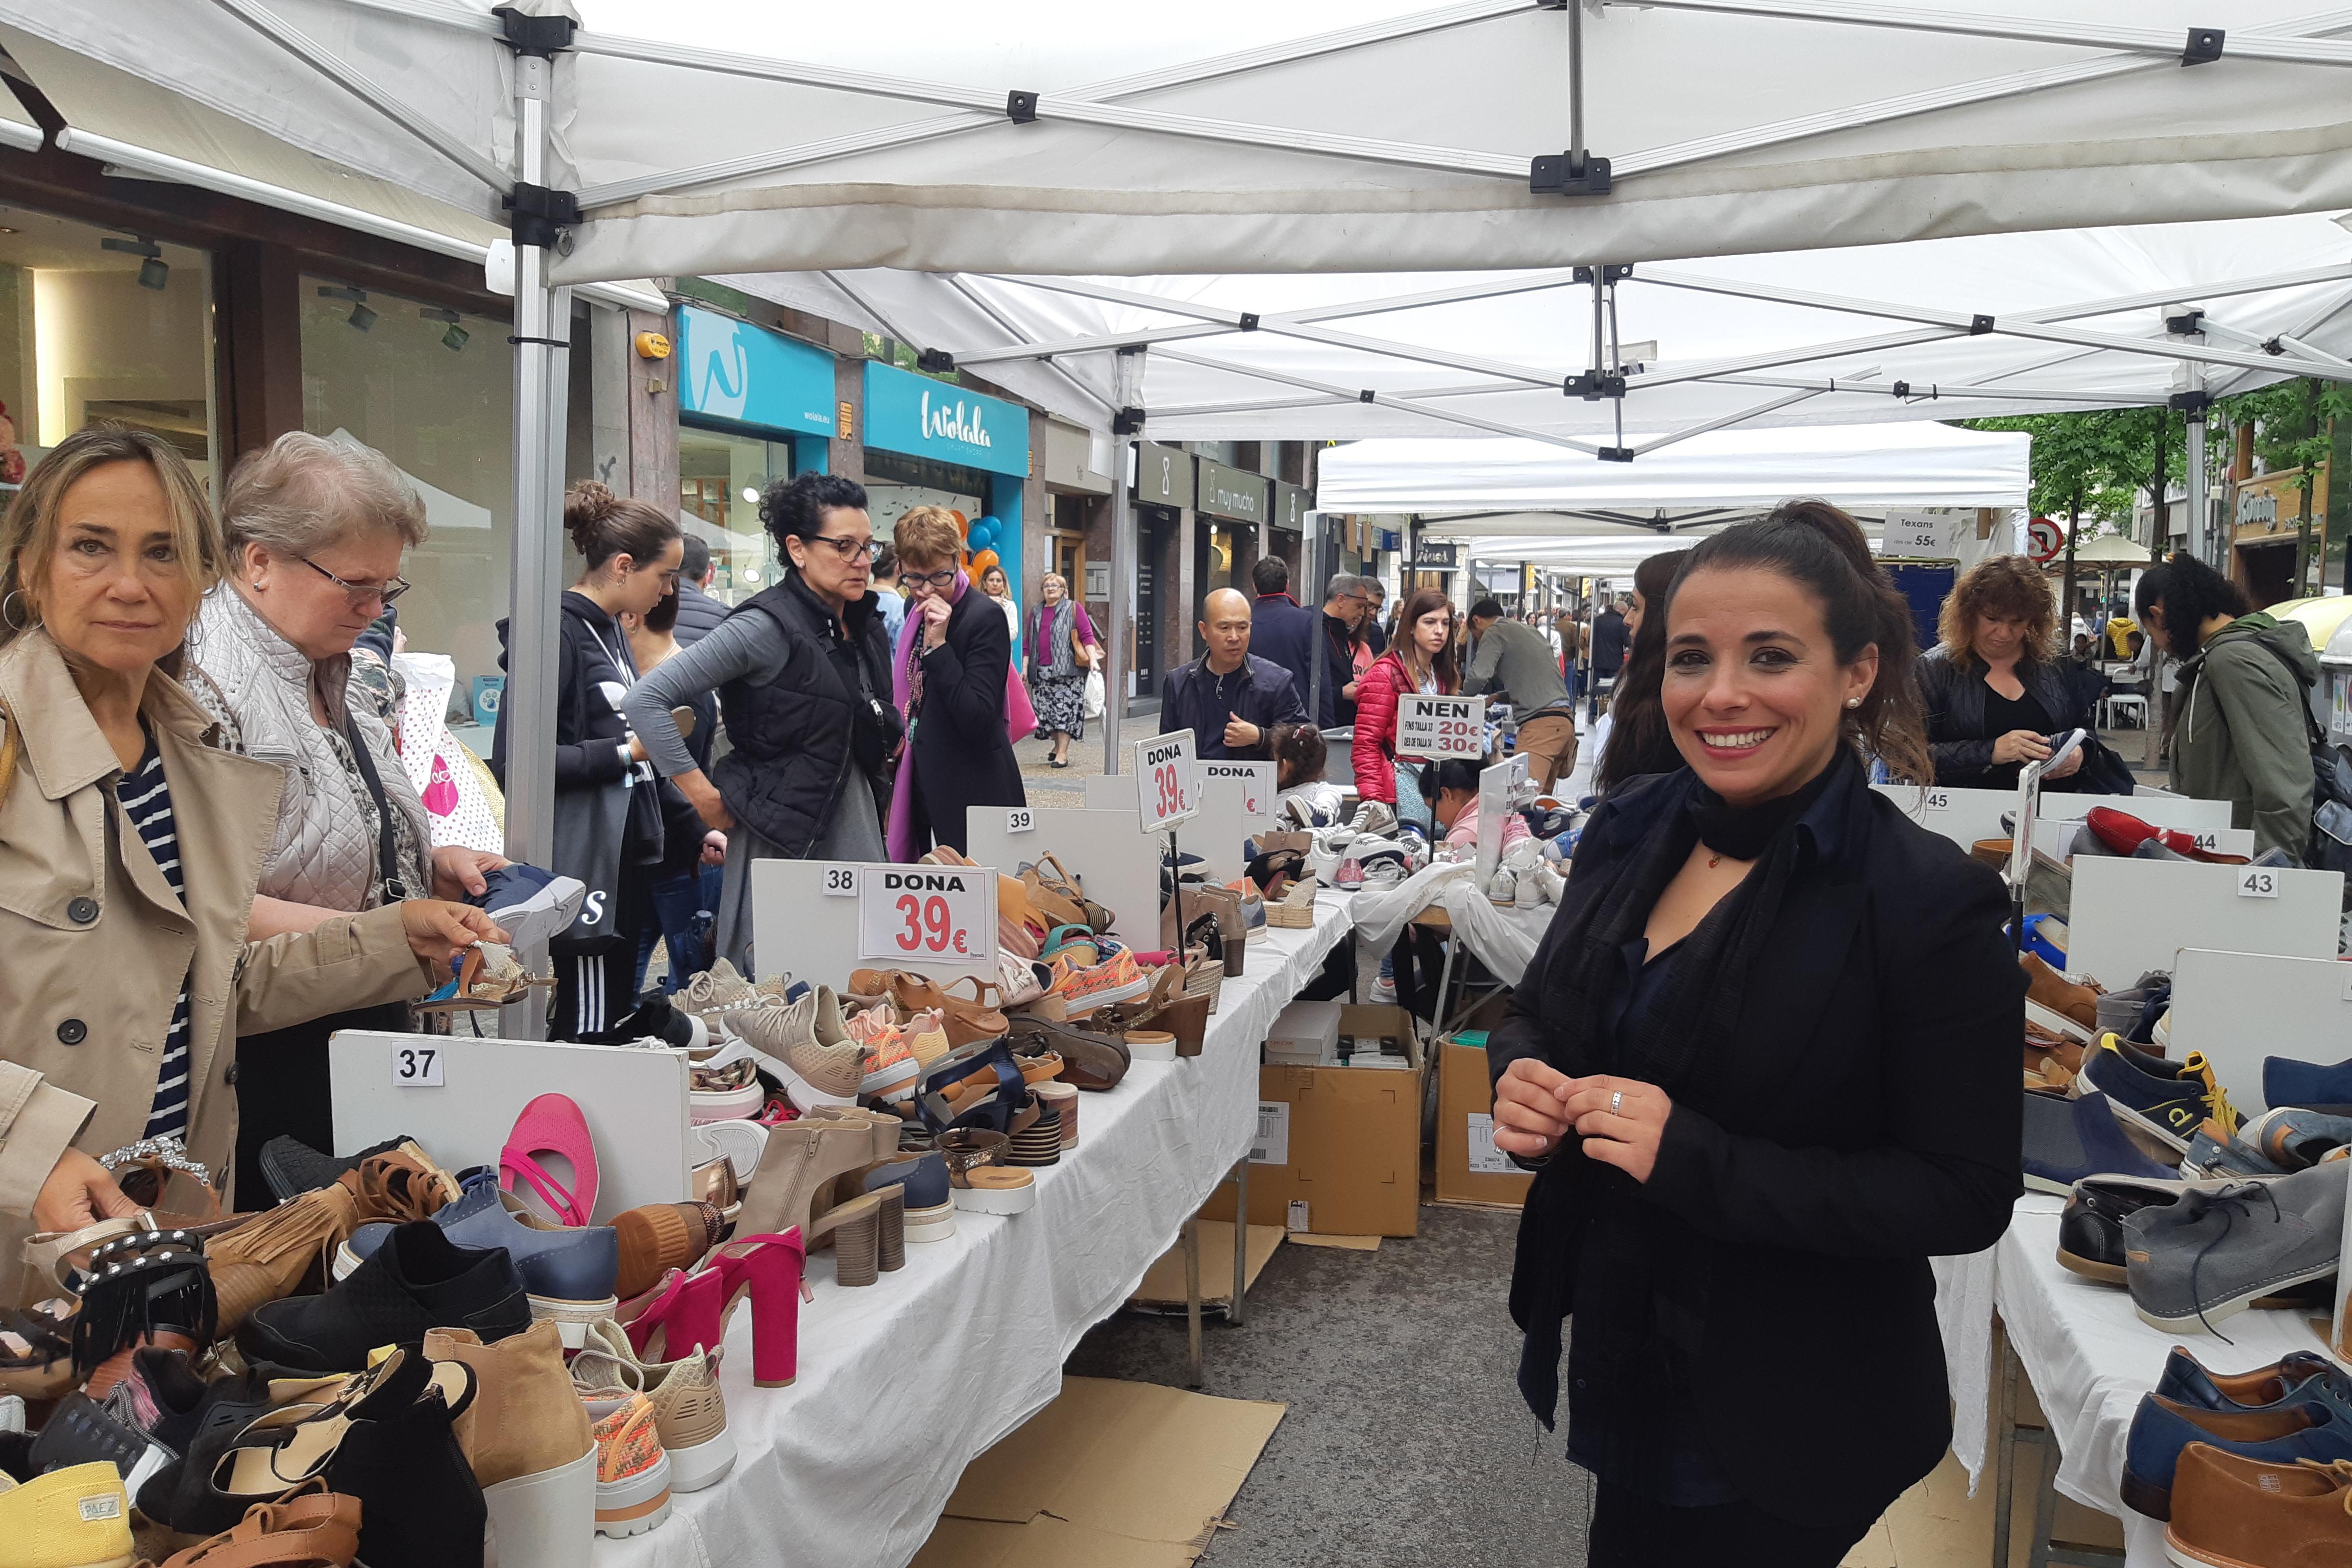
{"points": [[527, 1437]]}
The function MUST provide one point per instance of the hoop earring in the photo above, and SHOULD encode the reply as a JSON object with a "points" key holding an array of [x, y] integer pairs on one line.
{"points": [[11, 620]]}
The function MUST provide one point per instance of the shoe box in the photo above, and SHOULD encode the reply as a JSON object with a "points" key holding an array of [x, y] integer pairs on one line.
{"points": [[1470, 1169], [1305, 1034], [1338, 1147]]}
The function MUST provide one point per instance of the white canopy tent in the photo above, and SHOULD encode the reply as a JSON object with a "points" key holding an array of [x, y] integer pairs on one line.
{"points": [[1049, 137]]}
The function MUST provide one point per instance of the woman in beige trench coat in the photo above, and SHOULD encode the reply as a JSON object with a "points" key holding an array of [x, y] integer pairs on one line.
{"points": [[104, 554]]}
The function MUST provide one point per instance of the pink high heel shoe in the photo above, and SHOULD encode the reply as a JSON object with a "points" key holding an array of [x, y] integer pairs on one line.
{"points": [[678, 1316], [767, 1269], [553, 1124]]}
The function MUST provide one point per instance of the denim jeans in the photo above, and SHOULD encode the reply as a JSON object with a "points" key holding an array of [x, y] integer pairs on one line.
{"points": [[684, 908]]}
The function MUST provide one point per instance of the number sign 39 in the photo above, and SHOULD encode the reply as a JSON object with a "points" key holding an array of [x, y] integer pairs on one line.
{"points": [[924, 914]]}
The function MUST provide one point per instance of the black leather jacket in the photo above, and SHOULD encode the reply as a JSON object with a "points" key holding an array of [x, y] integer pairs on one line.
{"points": [[1953, 692]]}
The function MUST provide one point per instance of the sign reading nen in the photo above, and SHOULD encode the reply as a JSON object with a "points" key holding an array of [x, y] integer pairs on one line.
{"points": [[1435, 727]]}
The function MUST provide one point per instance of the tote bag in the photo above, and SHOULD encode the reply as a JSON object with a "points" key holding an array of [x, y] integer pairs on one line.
{"points": [[1019, 713], [590, 825], [1093, 698]]}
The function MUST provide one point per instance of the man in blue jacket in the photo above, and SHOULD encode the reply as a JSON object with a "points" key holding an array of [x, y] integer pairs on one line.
{"points": [[1229, 698], [1281, 629]]}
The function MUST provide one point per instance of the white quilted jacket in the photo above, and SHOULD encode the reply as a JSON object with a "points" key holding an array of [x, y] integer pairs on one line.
{"points": [[257, 685]]}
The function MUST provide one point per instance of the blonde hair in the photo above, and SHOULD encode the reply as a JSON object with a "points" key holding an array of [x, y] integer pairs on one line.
{"points": [[928, 533], [28, 533], [302, 493]]}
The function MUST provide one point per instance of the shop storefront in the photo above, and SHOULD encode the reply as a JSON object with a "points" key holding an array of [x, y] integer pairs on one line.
{"points": [[933, 443], [1287, 536], [753, 406], [2265, 531], [1233, 506]]}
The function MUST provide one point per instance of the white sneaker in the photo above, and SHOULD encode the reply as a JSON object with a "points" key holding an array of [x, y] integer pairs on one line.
{"points": [[1503, 888], [1376, 816], [1384, 990], [1529, 890]]}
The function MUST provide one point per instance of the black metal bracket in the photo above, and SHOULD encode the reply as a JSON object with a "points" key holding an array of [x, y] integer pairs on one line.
{"points": [[1902, 389], [2185, 323], [1368, 395], [2204, 45], [1248, 322], [1568, 175], [2192, 404], [1905, 390], [1979, 325], [537, 215], [1127, 422], [1616, 454], [935, 361], [2273, 346], [1021, 107], [548, 342], [1611, 273], [545, 36], [1593, 386]]}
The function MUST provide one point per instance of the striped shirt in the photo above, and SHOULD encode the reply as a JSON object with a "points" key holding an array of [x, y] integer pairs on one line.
{"points": [[147, 803]]}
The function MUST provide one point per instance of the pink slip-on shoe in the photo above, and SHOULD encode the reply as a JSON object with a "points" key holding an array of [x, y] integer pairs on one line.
{"points": [[553, 1124]]}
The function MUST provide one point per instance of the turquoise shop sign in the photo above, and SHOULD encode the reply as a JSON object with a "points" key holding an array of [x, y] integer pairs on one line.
{"points": [[745, 374], [927, 418]]}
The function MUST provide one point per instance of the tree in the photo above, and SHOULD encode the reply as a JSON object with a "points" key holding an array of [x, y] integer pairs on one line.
{"points": [[2291, 421], [2095, 461]]}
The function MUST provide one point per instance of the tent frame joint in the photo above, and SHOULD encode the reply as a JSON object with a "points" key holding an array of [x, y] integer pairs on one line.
{"points": [[1593, 386], [2204, 45], [1569, 174], [1127, 421], [539, 215], [935, 361], [2192, 404], [542, 37], [1616, 453], [1021, 107]]}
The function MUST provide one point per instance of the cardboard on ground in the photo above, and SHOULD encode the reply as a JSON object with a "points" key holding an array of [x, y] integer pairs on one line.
{"points": [[1163, 1282], [1131, 1474]]}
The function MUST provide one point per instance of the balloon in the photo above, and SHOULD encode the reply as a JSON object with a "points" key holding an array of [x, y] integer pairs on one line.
{"points": [[980, 562], [983, 535]]}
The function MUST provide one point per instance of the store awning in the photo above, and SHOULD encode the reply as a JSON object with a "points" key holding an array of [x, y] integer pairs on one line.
{"points": [[141, 128], [1296, 135]]}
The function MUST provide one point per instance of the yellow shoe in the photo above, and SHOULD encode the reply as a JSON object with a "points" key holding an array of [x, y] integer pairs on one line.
{"points": [[79, 1517]]}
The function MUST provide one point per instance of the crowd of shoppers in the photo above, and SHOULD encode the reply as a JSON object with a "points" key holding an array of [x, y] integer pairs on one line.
{"points": [[1518, 662]]}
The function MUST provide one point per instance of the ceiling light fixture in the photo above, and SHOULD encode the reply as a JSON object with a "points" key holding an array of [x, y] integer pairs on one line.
{"points": [[455, 338], [155, 272]]}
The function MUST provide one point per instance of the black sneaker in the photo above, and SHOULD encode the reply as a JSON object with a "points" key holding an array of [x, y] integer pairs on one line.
{"points": [[160, 1397], [416, 1281], [180, 1495], [2169, 1099], [292, 1167], [658, 1021], [80, 1432]]}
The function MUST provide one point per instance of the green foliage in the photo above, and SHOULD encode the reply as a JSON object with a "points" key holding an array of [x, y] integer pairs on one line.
{"points": [[2093, 462], [2290, 420]]}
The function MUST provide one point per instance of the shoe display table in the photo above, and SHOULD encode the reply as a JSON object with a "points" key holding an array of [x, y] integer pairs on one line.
{"points": [[904, 1382], [2089, 1358]]}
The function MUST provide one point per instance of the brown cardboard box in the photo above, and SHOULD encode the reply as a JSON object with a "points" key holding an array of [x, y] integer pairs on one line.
{"points": [[1343, 1143], [1465, 1099]]}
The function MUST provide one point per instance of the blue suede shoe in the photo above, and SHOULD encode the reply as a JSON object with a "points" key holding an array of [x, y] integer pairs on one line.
{"points": [[2067, 1140], [569, 1273], [2313, 1085]]}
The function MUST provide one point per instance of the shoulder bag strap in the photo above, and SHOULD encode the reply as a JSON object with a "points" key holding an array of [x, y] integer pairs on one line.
{"points": [[387, 863]]}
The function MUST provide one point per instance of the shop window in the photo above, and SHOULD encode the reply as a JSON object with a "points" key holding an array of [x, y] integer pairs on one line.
{"points": [[720, 478], [432, 389], [99, 323], [896, 484]]}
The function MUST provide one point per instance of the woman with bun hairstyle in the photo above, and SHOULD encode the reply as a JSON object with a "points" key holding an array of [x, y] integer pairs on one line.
{"points": [[633, 551], [1761, 1066], [802, 671]]}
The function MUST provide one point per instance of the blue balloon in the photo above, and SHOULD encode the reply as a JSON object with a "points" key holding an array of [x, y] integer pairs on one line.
{"points": [[983, 534]]}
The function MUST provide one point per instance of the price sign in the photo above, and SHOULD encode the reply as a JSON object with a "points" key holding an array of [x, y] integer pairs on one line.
{"points": [[417, 1066], [1166, 788], [840, 882], [914, 914], [2258, 882], [1256, 780], [1918, 536], [1020, 819], [1434, 727]]}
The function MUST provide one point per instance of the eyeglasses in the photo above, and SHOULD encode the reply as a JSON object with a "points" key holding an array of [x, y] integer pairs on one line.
{"points": [[943, 578], [361, 593], [847, 547]]}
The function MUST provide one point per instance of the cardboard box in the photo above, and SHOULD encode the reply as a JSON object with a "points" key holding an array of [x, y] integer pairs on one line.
{"points": [[1470, 1170], [1339, 1148], [1304, 1034]]}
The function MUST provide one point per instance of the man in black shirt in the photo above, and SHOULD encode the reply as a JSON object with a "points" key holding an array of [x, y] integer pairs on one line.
{"points": [[1609, 643], [1229, 698]]}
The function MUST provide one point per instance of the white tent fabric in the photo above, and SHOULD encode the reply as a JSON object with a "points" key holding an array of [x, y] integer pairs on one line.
{"points": [[1287, 135], [1858, 467]]}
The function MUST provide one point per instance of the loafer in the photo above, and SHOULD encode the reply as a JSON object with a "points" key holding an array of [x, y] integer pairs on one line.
{"points": [[2186, 1382], [2067, 1140], [572, 1274], [417, 1281]]}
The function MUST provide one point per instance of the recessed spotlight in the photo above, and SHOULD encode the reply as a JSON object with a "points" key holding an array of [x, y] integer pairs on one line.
{"points": [[750, 496], [153, 272]]}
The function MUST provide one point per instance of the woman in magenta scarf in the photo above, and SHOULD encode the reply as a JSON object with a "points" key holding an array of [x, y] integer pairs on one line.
{"points": [[948, 673]]}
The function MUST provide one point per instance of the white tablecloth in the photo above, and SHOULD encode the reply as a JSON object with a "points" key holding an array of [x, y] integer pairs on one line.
{"points": [[2090, 1359], [904, 1382]]}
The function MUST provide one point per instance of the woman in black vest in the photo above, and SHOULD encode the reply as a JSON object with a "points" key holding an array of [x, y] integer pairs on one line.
{"points": [[948, 672], [803, 673], [1763, 1063]]}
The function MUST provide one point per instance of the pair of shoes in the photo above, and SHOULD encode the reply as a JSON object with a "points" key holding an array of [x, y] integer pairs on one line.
{"points": [[417, 1281], [690, 1411], [806, 1045], [2294, 1413], [2213, 1252], [2068, 1140], [688, 1312], [978, 1177], [2293, 1138], [715, 997], [2227, 1509], [726, 1088]]}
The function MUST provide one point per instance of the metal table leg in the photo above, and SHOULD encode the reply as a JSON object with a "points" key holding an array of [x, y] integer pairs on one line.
{"points": [[2045, 1504], [2004, 1440], [1192, 1293], [1445, 978], [1240, 1179]]}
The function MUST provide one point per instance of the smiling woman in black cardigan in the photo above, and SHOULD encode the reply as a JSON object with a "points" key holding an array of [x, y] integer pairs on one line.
{"points": [[1764, 1061]]}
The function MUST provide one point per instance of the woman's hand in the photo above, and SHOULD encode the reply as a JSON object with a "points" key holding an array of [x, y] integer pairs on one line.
{"points": [[438, 931], [935, 611], [457, 871], [703, 795], [714, 848], [2067, 769], [79, 1192], [1529, 1116], [1620, 1121], [2021, 746]]}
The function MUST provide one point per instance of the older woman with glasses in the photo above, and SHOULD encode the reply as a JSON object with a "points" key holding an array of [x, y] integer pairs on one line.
{"points": [[949, 672], [802, 671], [317, 527], [1062, 648]]}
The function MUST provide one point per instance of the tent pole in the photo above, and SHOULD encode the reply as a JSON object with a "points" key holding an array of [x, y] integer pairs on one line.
{"points": [[1575, 84], [2203, 537], [1311, 595], [2158, 41], [1126, 383]]}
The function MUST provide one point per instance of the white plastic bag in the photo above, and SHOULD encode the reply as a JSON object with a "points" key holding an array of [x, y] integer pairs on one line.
{"points": [[1094, 699], [438, 765]]}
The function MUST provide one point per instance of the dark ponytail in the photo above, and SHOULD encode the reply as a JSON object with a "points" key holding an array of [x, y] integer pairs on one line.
{"points": [[1822, 551], [603, 525], [1299, 753], [2190, 593], [1639, 740]]}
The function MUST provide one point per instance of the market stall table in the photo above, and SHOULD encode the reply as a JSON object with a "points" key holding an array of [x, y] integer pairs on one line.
{"points": [[904, 1382]]}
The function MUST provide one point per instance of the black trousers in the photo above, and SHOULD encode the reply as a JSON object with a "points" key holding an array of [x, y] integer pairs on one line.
{"points": [[283, 1088], [596, 991], [1629, 1531]]}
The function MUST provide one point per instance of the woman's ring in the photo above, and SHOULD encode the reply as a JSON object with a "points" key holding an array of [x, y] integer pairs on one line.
{"points": [[1617, 1103]]}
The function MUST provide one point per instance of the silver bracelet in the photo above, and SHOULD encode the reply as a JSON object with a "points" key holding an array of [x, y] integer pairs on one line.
{"points": [[169, 1152]]}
